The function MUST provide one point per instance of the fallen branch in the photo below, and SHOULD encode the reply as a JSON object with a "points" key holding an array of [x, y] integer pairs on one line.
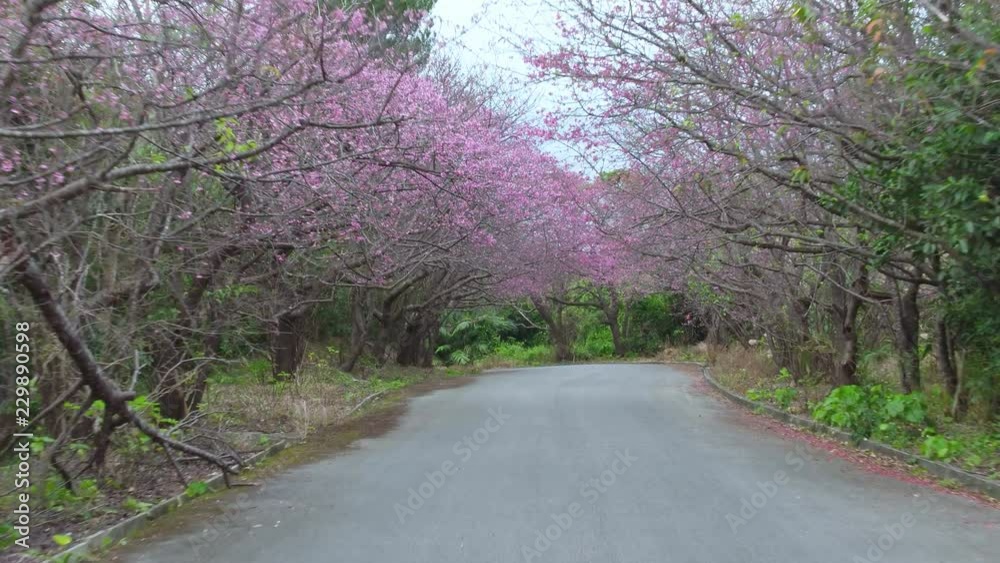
{"points": [[363, 402]]}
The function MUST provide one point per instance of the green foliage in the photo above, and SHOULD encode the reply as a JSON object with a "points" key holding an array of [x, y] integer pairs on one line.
{"points": [[151, 410], [973, 312], [513, 335], [519, 354], [391, 384], [936, 185], [332, 320], [132, 504], [87, 490], [62, 539], [874, 411], [467, 337], [39, 443], [973, 448], [596, 343], [981, 451], [196, 489], [257, 370], [7, 535], [654, 321], [231, 292], [783, 395], [54, 494], [940, 447], [133, 444]]}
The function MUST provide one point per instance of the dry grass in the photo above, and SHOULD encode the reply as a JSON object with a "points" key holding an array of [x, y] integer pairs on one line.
{"points": [[698, 353], [741, 369], [296, 407], [316, 397], [320, 395]]}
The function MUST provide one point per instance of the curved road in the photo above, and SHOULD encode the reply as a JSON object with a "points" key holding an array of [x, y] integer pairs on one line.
{"points": [[602, 463]]}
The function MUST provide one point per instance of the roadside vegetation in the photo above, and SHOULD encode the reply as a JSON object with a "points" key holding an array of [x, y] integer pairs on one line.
{"points": [[818, 180], [246, 407], [875, 408], [567, 331]]}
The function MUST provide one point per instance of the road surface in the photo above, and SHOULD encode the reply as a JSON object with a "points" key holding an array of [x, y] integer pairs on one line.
{"points": [[603, 463]]}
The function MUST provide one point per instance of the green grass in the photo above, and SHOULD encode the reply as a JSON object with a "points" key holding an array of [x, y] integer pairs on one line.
{"points": [[513, 354]]}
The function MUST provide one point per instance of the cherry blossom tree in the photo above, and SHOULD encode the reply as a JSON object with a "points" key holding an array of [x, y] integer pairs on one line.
{"points": [[778, 144], [182, 180]]}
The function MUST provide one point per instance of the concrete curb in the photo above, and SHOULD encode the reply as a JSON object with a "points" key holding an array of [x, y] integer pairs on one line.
{"points": [[940, 470], [97, 541]]}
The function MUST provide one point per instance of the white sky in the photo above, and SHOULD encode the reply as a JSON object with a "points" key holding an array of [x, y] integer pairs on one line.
{"points": [[485, 32], [486, 35]]}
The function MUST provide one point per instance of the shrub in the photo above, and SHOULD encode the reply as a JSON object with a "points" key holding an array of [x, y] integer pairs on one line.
{"points": [[520, 354], [782, 396], [940, 447], [466, 337], [873, 411], [597, 343], [196, 489], [655, 320]]}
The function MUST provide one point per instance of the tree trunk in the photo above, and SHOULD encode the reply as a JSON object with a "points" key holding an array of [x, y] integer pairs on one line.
{"points": [[168, 365], [557, 331], [433, 328], [611, 314], [944, 355], [288, 344], [844, 309], [411, 342], [802, 362], [213, 341], [716, 333], [616, 338], [960, 400], [845, 364], [907, 336], [359, 331]]}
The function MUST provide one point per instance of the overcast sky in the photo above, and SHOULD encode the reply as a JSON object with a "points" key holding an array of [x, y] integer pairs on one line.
{"points": [[483, 32], [485, 35]]}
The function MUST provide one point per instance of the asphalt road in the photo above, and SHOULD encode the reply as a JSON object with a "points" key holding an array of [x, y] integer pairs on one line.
{"points": [[613, 463]]}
